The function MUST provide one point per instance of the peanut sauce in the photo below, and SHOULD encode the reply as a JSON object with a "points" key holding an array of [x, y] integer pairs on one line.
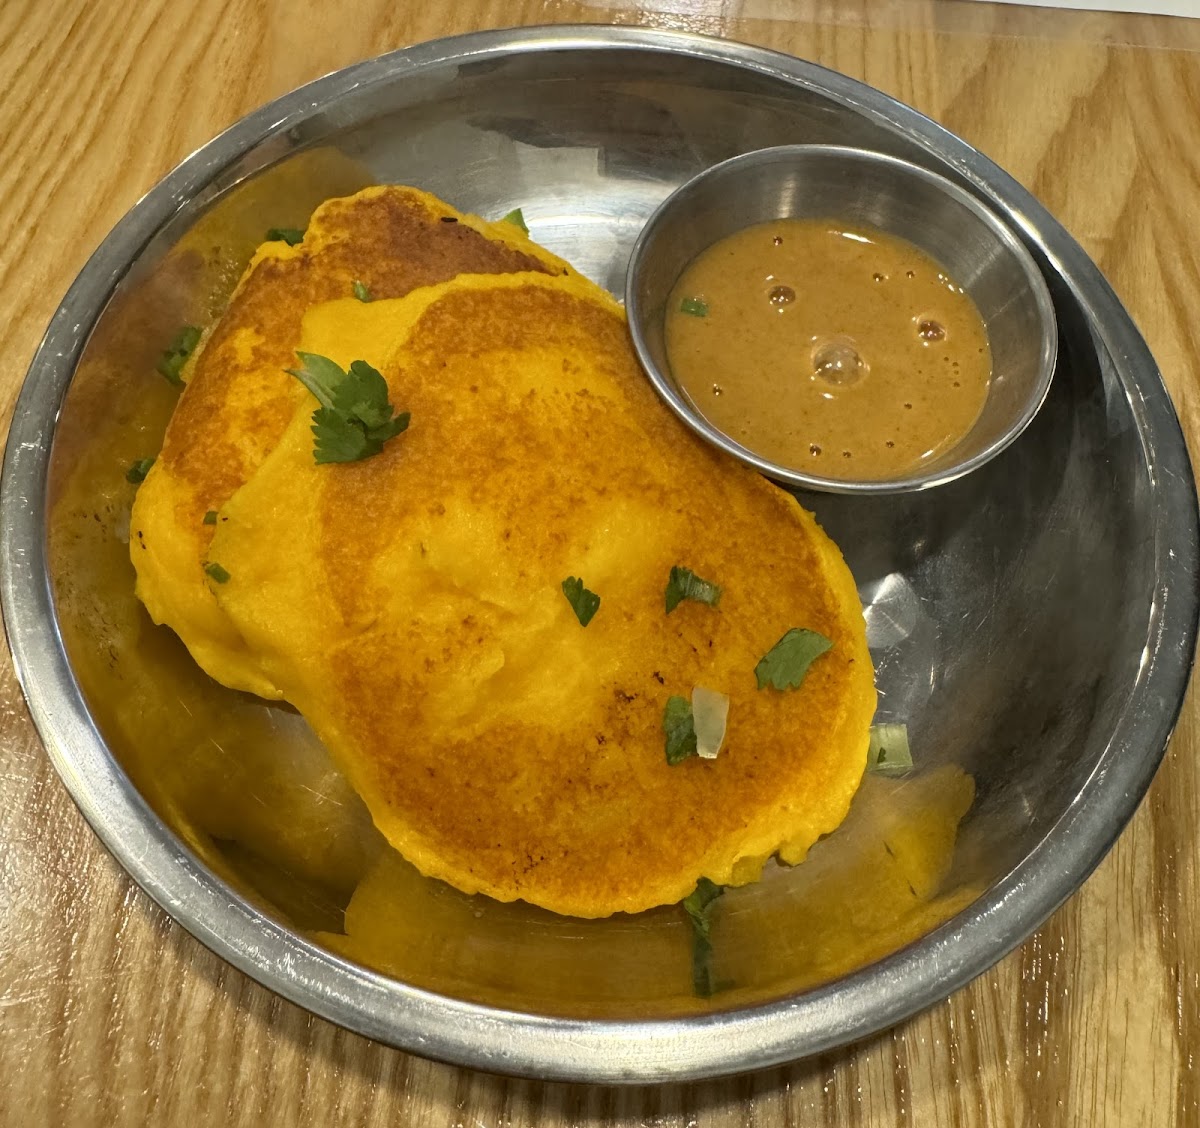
{"points": [[835, 350]]}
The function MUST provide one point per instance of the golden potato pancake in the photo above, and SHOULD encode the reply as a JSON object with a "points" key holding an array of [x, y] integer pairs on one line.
{"points": [[239, 398], [410, 605]]}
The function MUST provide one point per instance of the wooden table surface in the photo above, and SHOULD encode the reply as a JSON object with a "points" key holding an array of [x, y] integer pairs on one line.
{"points": [[112, 1014]]}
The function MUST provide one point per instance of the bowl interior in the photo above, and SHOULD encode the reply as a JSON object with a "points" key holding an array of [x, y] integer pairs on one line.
{"points": [[864, 188], [980, 596]]}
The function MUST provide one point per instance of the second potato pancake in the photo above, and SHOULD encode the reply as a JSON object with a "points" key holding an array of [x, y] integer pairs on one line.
{"points": [[239, 398]]}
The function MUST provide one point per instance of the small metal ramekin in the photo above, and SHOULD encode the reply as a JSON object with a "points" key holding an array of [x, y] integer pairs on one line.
{"points": [[857, 186]]}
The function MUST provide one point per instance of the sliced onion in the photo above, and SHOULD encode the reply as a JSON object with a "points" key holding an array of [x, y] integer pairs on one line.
{"points": [[710, 711], [889, 753]]}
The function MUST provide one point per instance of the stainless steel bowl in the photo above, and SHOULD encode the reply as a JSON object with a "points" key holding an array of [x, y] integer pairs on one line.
{"points": [[893, 195], [1034, 622]]}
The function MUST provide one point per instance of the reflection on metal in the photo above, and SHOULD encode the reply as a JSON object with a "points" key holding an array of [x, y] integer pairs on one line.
{"points": [[891, 609]]}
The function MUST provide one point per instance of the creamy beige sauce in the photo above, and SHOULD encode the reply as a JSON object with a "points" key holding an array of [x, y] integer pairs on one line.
{"points": [[840, 351]]}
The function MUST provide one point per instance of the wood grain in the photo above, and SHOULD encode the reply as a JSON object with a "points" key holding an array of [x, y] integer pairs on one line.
{"points": [[111, 1014]]}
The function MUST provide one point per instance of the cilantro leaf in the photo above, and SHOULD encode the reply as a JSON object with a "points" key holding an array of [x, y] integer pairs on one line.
{"points": [[216, 573], [337, 438], [517, 218], [361, 292], [289, 235], [699, 906], [786, 663], [583, 602], [175, 355], [210, 518], [363, 394], [319, 375], [680, 726], [685, 584], [138, 470], [696, 307], [355, 418]]}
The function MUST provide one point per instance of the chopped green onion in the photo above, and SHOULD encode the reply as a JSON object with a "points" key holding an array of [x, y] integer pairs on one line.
{"points": [[216, 573], [889, 753], [138, 470], [680, 728], [517, 218], [699, 905], [584, 603], [210, 518], [171, 363], [685, 584], [289, 235], [786, 663], [695, 307], [361, 292]]}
